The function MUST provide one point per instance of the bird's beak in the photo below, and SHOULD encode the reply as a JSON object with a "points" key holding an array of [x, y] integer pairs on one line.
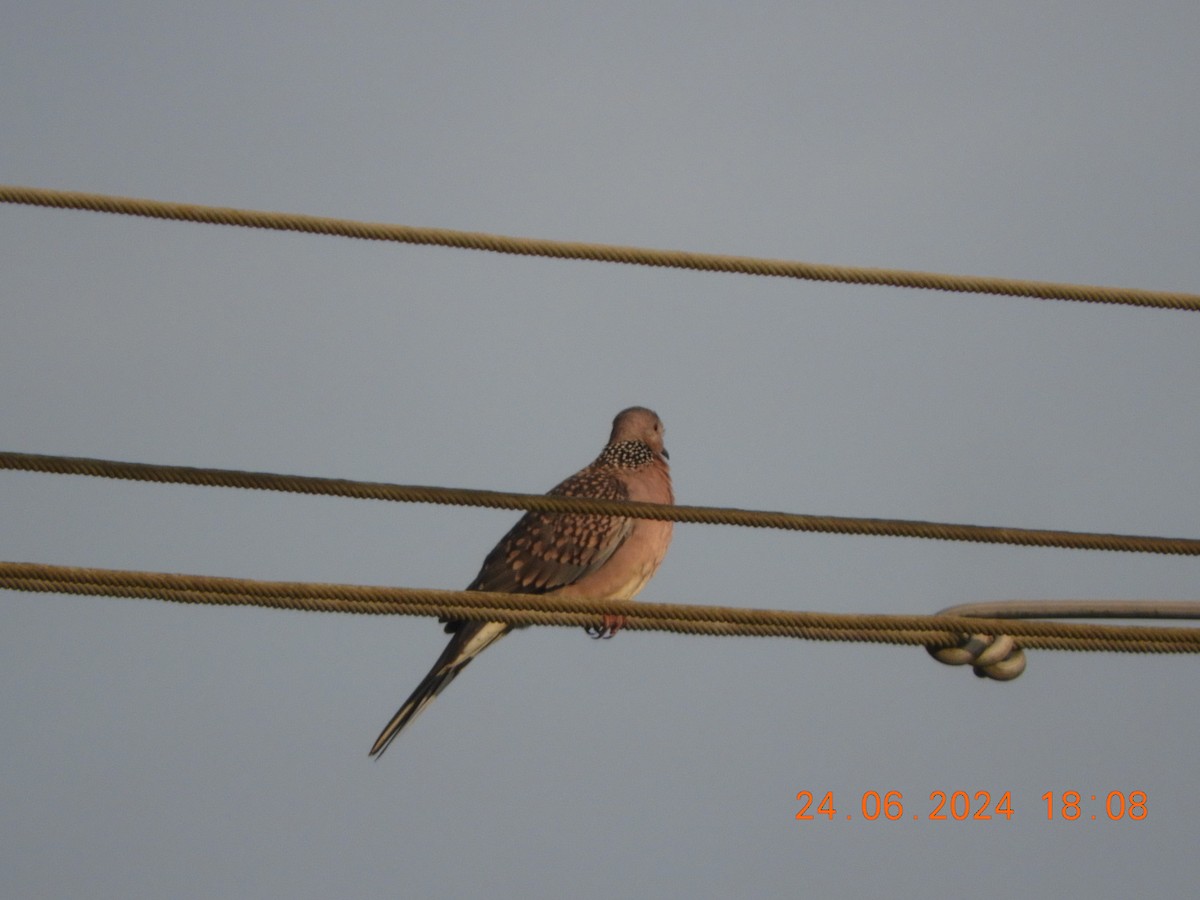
{"points": [[665, 454]]}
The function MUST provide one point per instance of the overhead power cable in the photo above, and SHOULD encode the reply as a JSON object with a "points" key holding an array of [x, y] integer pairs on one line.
{"points": [[527, 609], [338, 487], [678, 259], [1077, 609]]}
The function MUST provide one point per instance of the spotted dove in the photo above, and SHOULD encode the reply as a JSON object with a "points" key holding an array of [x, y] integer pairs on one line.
{"points": [[567, 554]]}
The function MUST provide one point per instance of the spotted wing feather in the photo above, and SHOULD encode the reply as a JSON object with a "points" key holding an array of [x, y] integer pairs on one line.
{"points": [[545, 551]]}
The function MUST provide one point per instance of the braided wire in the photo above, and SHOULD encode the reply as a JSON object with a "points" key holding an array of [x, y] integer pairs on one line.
{"points": [[525, 609], [679, 259], [338, 487]]}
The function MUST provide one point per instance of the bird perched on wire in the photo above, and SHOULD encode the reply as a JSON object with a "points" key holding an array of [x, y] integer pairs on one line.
{"points": [[567, 554]]}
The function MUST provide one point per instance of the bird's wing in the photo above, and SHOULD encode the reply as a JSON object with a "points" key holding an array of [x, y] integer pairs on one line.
{"points": [[545, 551]]}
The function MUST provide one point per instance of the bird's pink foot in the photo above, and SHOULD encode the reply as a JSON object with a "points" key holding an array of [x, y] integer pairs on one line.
{"points": [[612, 624]]}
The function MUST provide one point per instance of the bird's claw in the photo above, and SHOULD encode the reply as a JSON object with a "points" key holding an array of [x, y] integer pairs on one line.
{"points": [[612, 624]]}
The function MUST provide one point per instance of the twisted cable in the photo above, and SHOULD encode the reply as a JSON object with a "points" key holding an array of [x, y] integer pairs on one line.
{"points": [[679, 259], [338, 487], [525, 609]]}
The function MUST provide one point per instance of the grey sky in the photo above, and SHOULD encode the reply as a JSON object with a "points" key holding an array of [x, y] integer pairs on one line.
{"points": [[153, 750]]}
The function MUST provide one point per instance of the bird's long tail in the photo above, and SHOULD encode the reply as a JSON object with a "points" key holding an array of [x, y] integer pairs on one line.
{"points": [[469, 641]]}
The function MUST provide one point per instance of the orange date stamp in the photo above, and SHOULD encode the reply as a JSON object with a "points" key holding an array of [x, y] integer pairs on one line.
{"points": [[977, 806]]}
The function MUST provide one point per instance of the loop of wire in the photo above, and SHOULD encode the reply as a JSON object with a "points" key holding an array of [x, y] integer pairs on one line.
{"points": [[1000, 657], [997, 657]]}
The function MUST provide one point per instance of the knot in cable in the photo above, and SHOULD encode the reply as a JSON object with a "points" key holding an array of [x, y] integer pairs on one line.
{"points": [[998, 657]]}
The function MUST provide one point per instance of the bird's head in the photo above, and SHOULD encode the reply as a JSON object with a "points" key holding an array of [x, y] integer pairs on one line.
{"points": [[639, 424]]}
